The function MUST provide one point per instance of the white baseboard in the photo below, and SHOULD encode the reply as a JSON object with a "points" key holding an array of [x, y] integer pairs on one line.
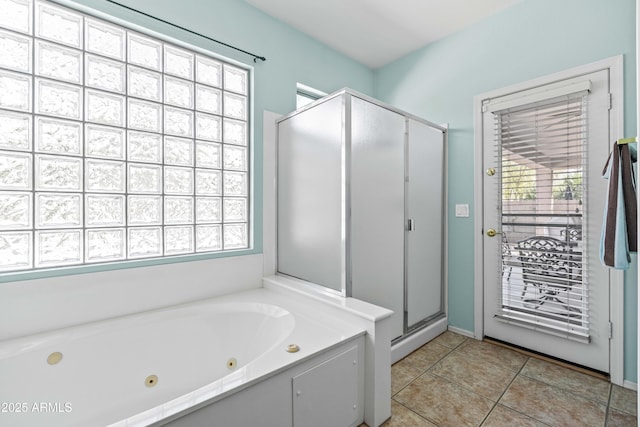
{"points": [[413, 342], [461, 331], [630, 385]]}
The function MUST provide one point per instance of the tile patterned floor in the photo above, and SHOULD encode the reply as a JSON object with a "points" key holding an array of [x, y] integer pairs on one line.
{"points": [[455, 381]]}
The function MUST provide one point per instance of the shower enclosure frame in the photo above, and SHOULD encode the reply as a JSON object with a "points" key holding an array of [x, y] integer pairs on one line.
{"points": [[345, 288]]}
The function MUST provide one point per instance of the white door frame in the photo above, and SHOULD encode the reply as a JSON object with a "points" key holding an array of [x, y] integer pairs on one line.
{"points": [[616, 309]]}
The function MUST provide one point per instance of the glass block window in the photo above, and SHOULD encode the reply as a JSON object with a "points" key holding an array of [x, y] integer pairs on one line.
{"points": [[115, 145]]}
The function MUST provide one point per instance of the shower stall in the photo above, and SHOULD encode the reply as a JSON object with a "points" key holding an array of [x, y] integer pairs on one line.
{"points": [[361, 206]]}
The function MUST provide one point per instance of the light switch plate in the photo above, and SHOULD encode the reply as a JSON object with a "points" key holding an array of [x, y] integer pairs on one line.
{"points": [[462, 211]]}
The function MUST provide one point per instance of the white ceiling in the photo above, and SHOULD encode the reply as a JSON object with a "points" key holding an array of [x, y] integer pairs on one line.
{"points": [[376, 32]]}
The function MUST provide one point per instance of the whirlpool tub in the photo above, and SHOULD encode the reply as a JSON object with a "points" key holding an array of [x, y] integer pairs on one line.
{"points": [[253, 357]]}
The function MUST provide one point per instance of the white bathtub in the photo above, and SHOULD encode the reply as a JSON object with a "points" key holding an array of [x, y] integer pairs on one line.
{"points": [[199, 353]]}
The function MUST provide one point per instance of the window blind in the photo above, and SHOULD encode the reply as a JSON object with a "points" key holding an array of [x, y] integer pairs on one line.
{"points": [[540, 148]]}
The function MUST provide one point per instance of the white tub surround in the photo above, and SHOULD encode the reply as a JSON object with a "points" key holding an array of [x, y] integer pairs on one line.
{"points": [[375, 320], [222, 359]]}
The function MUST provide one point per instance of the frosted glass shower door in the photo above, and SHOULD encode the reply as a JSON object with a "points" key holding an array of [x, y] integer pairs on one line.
{"points": [[425, 201], [377, 207], [311, 195]]}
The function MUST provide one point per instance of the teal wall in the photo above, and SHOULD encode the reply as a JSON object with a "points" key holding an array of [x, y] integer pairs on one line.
{"points": [[292, 57], [530, 39]]}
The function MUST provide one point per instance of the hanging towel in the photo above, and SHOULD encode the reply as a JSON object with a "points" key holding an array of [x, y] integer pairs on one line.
{"points": [[619, 228]]}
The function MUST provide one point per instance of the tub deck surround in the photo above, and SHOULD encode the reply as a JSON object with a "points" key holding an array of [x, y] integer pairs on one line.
{"points": [[192, 349], [374, 319]]}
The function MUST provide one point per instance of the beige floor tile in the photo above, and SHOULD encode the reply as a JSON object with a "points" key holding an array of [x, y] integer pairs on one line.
{"points": [[444, 403], [450, 339], [402, 375], [552, 405], [486, 379], [425, 357], [403, 417], [491, 353], [621, 419], [576, 382], [502, 416], [624, 400]]}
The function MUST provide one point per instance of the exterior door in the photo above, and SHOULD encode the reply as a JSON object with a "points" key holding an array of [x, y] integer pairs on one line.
{"points": [[543, 200]]}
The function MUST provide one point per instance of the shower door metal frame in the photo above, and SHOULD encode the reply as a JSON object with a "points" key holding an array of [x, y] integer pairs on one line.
{"points": [[409, 329], [346, 270]]}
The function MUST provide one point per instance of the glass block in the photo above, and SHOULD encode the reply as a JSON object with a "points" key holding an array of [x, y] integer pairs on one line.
{"points": [[235, 106], [57, 210], [208, 99], [178, 62], [15, 91], [104, 74], [178, 151], [208, 182], [145, 52], [235, 184], [208, 127], [16, 51], [59, 25], [102, 141], [103, 107], [15, 131], [58, 247], [208, 71], [104, 210], [104, 175], [208, 238], [58, 136], [178, 240], [104, 39], [145, 115], [235, 132], [58, 99], [58, 173], [144, 179], [208, 209], [235, 236], [144, 147], [178, 92], [144, 210], [178, 122], [178, 180], [178, 210], [235, 209], [15, 210], [15, 249], [145, 84], [144, 242], [235, 79], [105, 245], [208, 155], [16, 15], [58, 62], [235, 158], [15, 171]]}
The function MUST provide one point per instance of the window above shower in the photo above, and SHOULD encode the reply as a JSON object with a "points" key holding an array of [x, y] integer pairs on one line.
{"points": [[116, 145]]}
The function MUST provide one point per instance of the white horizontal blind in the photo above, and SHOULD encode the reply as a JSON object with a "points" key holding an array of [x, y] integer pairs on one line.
{"points": [[115, 145], [541, 150]]}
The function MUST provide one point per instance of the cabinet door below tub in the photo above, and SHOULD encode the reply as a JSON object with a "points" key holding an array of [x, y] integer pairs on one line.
{"points": [[327, 394]]}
